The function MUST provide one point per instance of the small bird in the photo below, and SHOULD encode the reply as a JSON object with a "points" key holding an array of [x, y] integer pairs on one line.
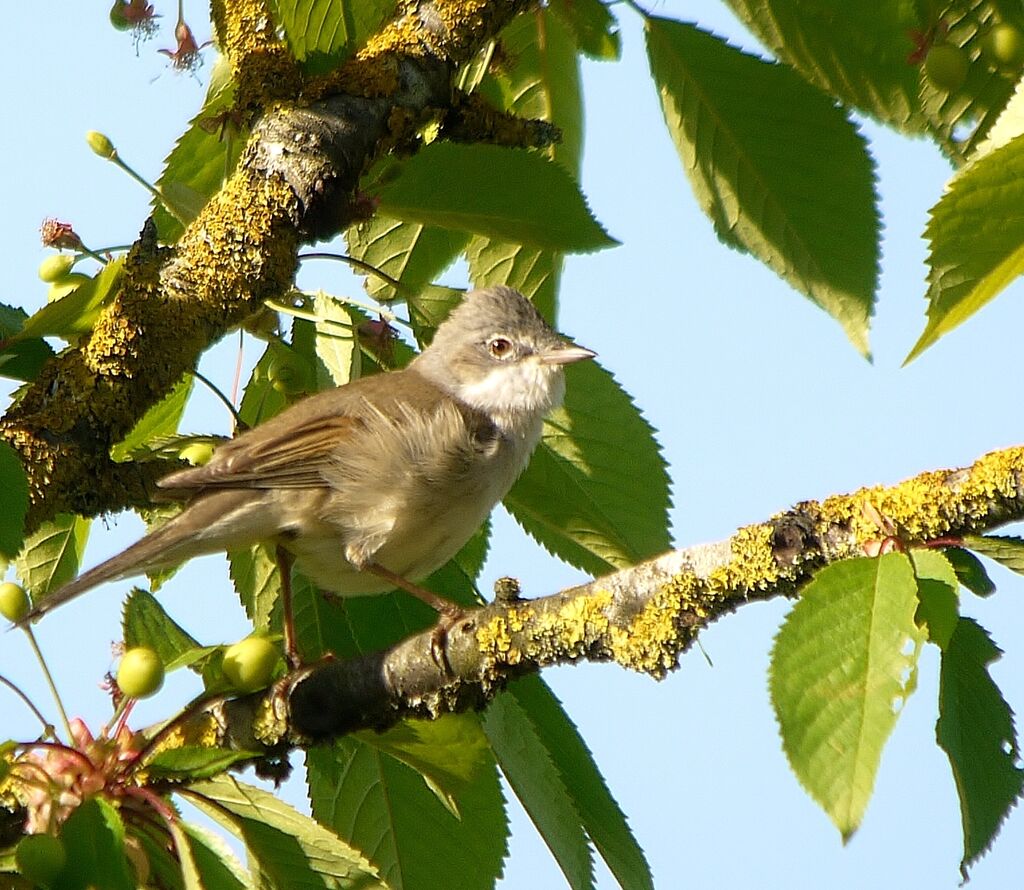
{"points": [[377, 483]]}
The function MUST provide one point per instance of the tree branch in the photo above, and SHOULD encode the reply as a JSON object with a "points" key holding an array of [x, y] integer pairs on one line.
{"points": [[643, 618]]}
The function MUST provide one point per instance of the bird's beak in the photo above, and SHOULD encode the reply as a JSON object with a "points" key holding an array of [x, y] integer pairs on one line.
{"points": [[565, 354]]}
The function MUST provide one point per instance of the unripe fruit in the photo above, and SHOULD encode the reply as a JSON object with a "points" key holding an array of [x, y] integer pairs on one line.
{"points": [[14, 604], [1004, 47], [117, 17], [40, 858], [55, 267], [141, 672], [249, 664], [197, 454], [101, 145], [287, 376], [946, 67]]}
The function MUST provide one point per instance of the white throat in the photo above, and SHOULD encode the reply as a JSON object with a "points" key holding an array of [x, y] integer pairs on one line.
{"points": [[517, 395]]}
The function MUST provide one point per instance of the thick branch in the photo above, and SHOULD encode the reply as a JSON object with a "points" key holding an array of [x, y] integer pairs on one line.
{"points": [[296, 180], [642, 617]]}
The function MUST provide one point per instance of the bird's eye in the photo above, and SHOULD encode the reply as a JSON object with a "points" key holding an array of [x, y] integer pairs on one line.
{"points": [[500, 347]]}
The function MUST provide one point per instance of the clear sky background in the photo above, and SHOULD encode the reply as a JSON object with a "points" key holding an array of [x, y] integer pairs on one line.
{"points": [[759, 401]]}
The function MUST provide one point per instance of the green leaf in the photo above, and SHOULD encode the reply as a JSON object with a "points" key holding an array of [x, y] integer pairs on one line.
{"points": [[533, 777], [214, 863], [288, 851], [411, 253], [1007, 550], [328, 27], [601, 816], [970, 571], [541, 79], [257, 582], [52, 554], [535, 273], [856, 52], [75, 313], [260, 401], [381, 805], [145, 623], [194, 762], [336, 343], [156, 424], [975, 729], [596, 491], [93, 838], [594, 28], [800, 198], [14, 503], [503, 193], [937, 586], [202, 158], [191, 879], [840, 669], [20, 359], [446, 752], [976, 236]]}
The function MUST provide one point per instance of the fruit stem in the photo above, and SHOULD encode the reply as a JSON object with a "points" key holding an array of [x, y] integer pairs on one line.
{"points": [[47, 725], [49, 680], [176, 212], [227, 402]]}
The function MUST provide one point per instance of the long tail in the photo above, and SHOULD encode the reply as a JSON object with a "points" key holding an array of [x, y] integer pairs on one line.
{"points": [[198, 529]]}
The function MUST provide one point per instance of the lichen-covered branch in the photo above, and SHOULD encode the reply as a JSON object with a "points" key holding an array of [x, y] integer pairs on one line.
{"points": [[311, 141], [642, 618]]}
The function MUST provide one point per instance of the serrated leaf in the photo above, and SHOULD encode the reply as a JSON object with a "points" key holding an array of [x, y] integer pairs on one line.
{"points": [[75, 313], [201, 159], [535, 273], [601, 816], [596, 491], [594, 28], [253, 570], [532, 775], [20, 359], [975, 729], [93, 839], [145, 623], [158, 423], [839, 669], [214, 862], [411, 253], [13, 502], [1007, 550], [800, 198], [975, 235], [194, 762], [503, 193], [328, 27], [446, 752], [938, 607], [856, 52], [541, 79], [970, 571], [288, 850], [52, 553], [380, 805], [336, 343]]}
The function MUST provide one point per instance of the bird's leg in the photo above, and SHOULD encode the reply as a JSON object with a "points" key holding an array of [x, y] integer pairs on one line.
{"points": [[284, 567], [448, 613]]}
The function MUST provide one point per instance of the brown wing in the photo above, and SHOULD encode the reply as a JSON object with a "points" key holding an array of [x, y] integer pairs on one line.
{"points": [[296, 448]]}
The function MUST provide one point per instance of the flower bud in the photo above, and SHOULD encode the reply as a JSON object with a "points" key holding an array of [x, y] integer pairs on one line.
{"points": [[101, 145]]}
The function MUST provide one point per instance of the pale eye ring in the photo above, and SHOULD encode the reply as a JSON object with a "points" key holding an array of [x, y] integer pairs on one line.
{"points": [[500, 347]]}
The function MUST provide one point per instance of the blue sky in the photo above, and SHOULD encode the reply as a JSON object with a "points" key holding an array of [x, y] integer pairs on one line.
{"points": [[759, 402]]}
